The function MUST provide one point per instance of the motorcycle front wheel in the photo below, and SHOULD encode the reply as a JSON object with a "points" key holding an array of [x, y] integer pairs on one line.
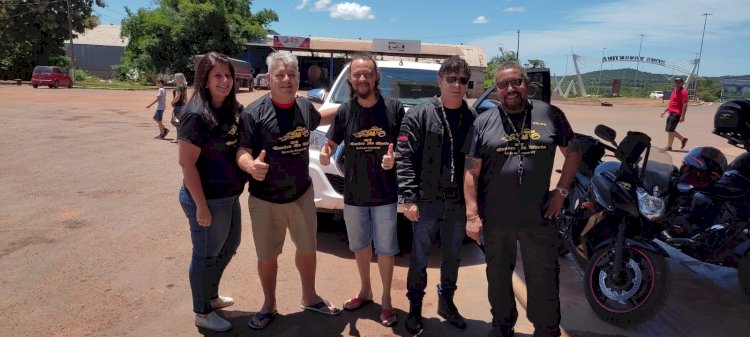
{"points": [[743, 274], [633, 297]]}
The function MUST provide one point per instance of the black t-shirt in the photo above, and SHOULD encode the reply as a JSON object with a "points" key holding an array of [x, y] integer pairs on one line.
{"points": [[493, 141], [285, 135], [183, 95], [217, 163], [366, 133]]}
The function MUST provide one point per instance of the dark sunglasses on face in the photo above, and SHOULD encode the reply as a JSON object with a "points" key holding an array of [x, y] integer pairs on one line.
{"points": [[453, 79], [502, 85]]}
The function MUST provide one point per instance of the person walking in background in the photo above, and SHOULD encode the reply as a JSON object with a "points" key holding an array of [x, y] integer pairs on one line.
{"points": [[212, 184], [274, 143], [677, 109], [430, 175], [509, 158], [368, 124], [161, 105], [179, 97]]}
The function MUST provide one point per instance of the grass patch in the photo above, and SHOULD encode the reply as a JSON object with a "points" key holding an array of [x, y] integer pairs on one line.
{"points": [[112, 85]]}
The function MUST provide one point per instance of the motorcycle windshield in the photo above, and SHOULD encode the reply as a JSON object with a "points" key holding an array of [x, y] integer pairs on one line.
{"points": [[657, 170]]}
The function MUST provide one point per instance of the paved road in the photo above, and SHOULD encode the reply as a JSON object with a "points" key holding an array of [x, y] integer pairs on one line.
{"points": [[93, 242]]}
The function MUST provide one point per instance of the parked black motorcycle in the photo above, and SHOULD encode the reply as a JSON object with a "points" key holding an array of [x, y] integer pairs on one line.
{"points": [[709, 220], [610, 230]]}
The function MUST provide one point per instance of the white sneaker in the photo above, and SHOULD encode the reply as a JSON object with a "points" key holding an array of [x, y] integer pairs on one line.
{"points": [[222, 302], [212, 322]]}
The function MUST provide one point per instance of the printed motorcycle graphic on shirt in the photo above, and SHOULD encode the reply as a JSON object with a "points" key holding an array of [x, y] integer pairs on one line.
{"points": [[511, 147], [369, 140], [294, 142]]}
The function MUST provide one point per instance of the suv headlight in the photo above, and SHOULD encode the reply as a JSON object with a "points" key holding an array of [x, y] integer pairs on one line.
{"points": [[650, 206]]}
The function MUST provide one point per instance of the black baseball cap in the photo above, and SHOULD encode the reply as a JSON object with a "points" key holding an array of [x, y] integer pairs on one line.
{"points": [[678, 79]]}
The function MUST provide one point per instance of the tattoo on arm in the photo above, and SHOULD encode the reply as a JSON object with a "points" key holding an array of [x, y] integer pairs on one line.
{"points": [[471, 163], [574, 147]]}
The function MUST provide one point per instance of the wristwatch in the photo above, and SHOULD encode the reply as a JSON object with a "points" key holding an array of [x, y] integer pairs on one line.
{"points": [[563, 191]]}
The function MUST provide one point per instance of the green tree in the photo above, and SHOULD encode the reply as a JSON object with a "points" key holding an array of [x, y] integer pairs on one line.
{"points": [[165, 39], [536, 63], [708, 90], [33, 32], [495, 62]]}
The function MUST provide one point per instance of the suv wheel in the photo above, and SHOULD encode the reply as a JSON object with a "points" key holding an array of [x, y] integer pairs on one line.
{"points": [[70, 84], [56, 85], [35, 86]]}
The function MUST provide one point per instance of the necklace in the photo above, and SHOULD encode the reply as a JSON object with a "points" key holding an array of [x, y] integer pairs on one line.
{"points": [[518, 135], [450, 135]]}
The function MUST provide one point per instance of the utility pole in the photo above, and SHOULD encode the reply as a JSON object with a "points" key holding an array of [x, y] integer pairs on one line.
{"points": [[637, 68], [700, 54], [72, 56], [601, 68], [518, 45]]}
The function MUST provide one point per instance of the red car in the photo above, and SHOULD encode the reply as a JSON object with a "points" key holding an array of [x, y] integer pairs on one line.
{"points": [[50, 76]]}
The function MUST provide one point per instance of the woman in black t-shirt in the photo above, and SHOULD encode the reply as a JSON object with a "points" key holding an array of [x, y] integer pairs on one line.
{"points": [[212, 184]]}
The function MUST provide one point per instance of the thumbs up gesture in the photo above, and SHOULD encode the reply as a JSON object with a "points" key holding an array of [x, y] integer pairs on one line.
{"points": [[388, 159], [259, 168], [325, 154]]}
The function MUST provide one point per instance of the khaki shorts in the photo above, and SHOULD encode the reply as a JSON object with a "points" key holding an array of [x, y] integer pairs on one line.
{"points": [[269, 223]]}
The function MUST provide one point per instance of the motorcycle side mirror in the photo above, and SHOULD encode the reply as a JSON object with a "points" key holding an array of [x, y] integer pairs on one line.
{"points": [[606, 133]]}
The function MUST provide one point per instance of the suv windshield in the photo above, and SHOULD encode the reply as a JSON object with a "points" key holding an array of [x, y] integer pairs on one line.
{"points": [[41, 69], [410, 86]]}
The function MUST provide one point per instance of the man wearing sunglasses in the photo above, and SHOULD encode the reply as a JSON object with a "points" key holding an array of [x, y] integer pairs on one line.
{"points": [[430, 175], [509, 158]]}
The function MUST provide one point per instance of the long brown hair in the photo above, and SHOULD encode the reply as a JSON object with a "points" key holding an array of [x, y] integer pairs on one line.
{"points": [[200, 101]]}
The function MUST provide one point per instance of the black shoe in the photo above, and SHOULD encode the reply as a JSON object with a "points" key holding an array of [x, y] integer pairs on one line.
{"points": [[414, 320], [447, 309], [501, 331]]}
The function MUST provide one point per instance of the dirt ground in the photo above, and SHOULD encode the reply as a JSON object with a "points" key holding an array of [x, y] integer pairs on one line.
{"points": [[93, 241]]}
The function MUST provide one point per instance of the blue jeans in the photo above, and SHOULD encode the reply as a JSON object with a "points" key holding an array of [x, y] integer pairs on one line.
{"points": [[213, 246], [366, 225], [449, 216]]}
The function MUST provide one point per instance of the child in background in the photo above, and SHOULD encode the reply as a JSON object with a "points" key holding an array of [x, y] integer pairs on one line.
{"points": [[161, 105]]}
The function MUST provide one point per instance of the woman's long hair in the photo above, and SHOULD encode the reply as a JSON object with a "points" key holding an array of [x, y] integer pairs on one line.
{"points": [[200, 102]]}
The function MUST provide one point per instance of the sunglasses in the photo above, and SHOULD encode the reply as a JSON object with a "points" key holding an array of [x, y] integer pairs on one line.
{"points": [[502, 85], [453, 79]]}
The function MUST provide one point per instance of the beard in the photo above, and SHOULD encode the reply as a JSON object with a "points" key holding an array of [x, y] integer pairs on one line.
{"points": [[515, 106], [363, 92]]}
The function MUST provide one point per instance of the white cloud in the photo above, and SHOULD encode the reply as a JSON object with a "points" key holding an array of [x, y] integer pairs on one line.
{"points": [[351, 11], [514, 10], [322, 5], [480, 20], [302, 5]]}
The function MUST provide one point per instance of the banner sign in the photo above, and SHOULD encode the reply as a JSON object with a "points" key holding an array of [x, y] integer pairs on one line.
{"points": [[634, 59], [291, 42], [396, 46]]}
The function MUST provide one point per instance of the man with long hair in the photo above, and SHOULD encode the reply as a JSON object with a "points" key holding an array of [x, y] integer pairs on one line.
{"points": [[368, 124]]}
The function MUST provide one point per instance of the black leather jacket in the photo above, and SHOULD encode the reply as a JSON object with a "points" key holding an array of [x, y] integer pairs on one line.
{"points": [[424, 173]]}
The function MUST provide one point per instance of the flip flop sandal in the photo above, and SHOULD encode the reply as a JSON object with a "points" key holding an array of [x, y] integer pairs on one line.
{"points": [[356, 303], [388, 318], [257, 322], [323, 307]]}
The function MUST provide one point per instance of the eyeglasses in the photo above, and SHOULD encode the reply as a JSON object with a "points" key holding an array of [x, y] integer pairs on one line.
{"points": [[502, 85], [368, 76], [453, 79]]}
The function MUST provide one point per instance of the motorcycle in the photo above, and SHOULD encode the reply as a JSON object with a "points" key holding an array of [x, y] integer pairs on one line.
{"points": [[710, 220], [611, 226]]}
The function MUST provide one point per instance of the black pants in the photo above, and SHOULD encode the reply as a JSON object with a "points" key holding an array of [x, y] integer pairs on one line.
{"points": [[541, 270]]}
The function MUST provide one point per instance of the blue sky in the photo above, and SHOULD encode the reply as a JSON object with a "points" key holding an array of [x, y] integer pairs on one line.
{"points": [[549, 29]]}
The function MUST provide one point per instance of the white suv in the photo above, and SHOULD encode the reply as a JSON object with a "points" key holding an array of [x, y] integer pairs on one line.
{"points": [[412, 83]]}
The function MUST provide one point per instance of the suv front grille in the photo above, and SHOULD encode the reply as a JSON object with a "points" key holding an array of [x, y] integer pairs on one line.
{"points": [[337, 182]]}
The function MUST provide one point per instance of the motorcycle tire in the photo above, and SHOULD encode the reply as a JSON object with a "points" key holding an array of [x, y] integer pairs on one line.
{"points": [[743, 274], [634, 299]]}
